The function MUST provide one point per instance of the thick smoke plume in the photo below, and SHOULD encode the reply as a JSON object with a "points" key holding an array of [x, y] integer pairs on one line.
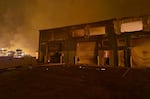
{"points": [[20, 20], [16, 30]]}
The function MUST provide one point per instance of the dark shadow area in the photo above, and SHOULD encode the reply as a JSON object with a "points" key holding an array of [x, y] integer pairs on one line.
{"points": [[75, 82]]}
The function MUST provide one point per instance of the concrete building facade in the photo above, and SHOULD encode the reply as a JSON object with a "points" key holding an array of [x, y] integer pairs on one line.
{"points": [[116, 42]]}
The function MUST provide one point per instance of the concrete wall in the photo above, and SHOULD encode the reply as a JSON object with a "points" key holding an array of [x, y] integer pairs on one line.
{"points": [[8, 62]]}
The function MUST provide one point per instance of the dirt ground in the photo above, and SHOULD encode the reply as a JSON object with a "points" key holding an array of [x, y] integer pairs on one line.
{"points": [[75, 82]]}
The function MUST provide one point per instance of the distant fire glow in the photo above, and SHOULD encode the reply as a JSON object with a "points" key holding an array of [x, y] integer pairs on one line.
{"points": [[18, 53]]}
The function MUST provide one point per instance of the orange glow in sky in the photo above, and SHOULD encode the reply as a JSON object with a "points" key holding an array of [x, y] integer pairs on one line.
{"points": [[21, 20]]}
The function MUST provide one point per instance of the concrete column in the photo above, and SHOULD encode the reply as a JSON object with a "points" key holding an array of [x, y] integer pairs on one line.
{"points": [[75, 59], [114, 47], [61, 59], [46, 53], [128, 52], [98, 60]]}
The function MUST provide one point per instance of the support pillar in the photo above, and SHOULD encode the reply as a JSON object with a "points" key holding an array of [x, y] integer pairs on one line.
{"points": [[128, 52]]}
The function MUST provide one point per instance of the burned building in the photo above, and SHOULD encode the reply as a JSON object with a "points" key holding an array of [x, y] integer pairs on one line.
{"points": [[116, 42]]}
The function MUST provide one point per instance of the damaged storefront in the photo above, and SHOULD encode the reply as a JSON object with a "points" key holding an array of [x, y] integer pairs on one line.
{"points": [[117, 43]]}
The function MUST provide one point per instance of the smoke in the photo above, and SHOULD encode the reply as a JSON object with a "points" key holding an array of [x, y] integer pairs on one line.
{"points": [[15, 27], [58, 13], [21, 20], [10, 21]]}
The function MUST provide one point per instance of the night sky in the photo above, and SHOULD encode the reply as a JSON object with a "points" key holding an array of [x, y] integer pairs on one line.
{"points": [[20, 20]]}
